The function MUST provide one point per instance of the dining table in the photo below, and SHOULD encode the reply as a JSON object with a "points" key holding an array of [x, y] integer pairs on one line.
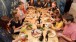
{"points": [[32, 19]]}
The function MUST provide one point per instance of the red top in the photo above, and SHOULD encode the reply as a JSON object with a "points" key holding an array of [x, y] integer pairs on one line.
{"points": [[24, 11]]}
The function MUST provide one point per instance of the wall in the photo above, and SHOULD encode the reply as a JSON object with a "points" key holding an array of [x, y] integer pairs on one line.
{"points": [[6, 6], [73, 9]]}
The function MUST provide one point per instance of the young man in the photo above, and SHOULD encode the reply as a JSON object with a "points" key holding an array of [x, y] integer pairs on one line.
{"points": [[69, 31]]}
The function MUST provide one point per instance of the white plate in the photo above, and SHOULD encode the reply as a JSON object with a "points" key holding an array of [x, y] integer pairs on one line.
{"points": [[52, 34], [36, 32]]}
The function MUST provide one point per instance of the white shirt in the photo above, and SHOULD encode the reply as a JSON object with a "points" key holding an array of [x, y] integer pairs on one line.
{"points": [[25, 3]]}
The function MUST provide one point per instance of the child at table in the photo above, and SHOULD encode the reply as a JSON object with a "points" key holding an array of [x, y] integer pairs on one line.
{"points": [[58, 24]]}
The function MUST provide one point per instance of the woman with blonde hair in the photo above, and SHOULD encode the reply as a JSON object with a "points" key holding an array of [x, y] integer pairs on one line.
{"points": [[15, 24]]}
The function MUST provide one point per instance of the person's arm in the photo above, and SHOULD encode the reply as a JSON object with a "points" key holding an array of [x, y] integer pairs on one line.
{"points": [[19, 26], [16, 40], [16, 29], [45, 5], [8, 25], [68, 39], [58, 10], [57, 27], [65, 37]]}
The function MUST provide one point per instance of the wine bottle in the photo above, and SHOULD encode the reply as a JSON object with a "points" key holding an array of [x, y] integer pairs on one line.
{"points": [[47, 36], [43, 25], [41, 37], [39, 19]]}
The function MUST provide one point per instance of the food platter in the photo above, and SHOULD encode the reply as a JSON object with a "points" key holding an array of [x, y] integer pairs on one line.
{"points": [[36, 33]]}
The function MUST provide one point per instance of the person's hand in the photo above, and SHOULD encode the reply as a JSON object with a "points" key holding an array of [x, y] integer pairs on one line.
{"points": [[8, 24], [16, 40], [59, 34], [16, 29], [57, 29], [23, 25]]}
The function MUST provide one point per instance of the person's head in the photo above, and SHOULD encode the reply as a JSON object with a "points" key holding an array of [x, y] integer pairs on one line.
{"points": [[39, 2], [68, 19], [21, 5], [14, 14], [59, 18], [56, 12], [54, 4]]}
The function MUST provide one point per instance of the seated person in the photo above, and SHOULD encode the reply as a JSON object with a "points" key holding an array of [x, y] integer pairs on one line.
{"points": [[21, 11], [58, 24], [38, 4], [15, 24], [69, 30], [47, 3], [31, 3], [54, 7], [55, 13]]}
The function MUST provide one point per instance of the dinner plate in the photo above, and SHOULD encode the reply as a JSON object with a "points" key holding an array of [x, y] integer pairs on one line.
{"points": [[23, 36], [36, 33], [51, 33]]}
